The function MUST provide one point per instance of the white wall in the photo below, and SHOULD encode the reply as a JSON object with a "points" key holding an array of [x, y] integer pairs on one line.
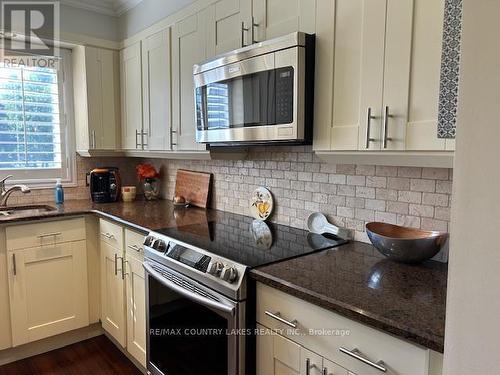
{"points": [[147, 13], [81, 21], [473, 307]]}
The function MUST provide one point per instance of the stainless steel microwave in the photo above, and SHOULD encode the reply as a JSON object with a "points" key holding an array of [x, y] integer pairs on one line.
{"points": [[260, 94]]}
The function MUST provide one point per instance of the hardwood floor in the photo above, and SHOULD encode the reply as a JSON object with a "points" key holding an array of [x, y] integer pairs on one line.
{"points": [[96, 356]]}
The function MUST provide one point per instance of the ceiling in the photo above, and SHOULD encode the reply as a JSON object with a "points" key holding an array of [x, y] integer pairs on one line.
{"points": [[108, 7]]}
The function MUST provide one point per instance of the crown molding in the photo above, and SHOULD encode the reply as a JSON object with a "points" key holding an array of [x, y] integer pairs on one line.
{"points": [[113, 8]]}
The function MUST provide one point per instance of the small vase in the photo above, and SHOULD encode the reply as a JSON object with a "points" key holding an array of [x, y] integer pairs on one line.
{"points": [[151, 189]]}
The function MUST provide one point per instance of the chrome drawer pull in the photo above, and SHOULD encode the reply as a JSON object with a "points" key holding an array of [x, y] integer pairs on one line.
{"points": [[14, 268], [369, 118], [109, 236], [134, 247], [309, 366], [355, 353], [49, 235], [277, 316]]}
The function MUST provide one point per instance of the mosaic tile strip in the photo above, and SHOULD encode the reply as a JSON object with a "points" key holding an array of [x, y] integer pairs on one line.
{"points": [[450, 69]]}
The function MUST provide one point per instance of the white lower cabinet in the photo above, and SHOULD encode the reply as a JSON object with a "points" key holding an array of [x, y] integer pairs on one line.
{"points": [[123, 299], [113, 317], [47, 283], [283, 351], [136, 297]]}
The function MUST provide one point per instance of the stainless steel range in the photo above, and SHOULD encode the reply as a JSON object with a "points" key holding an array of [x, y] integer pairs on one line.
{"points": [[199, 300]]}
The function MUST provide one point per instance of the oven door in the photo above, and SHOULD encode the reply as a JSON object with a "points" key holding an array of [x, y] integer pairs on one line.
{"points": [[255, 100], [190, 328]]}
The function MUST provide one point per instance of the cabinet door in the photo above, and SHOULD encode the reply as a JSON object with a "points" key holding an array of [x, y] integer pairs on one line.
{"points": [[275, 18], [136, 310], [330, 368], [103, 97], [358, 63], [227, 22], [48, 291], [131, 89], [413, 73], [189, 42], [156, 90], [277, 355], [113, 293]]}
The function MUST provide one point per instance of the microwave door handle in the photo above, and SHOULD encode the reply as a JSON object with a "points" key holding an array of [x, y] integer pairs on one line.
{"points": [[188, 294]]}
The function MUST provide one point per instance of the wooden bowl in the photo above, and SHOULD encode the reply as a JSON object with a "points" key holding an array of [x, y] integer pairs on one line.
{"points": [[402, 244]]}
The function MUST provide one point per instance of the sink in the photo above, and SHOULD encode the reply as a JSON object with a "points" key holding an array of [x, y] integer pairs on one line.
{"points": [[25, 210]]}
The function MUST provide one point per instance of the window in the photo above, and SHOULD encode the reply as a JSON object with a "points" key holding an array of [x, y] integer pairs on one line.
{"points": [[36, 143]]}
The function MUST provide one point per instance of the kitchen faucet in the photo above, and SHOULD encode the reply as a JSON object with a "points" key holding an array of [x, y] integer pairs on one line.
{"points": [[5, 193]]}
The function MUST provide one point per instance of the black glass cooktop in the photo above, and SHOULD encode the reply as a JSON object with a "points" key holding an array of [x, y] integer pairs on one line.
{"points": [[247, 241]]}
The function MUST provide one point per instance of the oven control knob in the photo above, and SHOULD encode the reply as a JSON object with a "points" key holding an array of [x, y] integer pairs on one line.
{"points": [[148, 241], [215, 268], [160, 245], [229, 274]]}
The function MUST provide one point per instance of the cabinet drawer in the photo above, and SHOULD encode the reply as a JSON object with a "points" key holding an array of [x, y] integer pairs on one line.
{"points": [[111, 233], [133, 244], [45, 233], [399, 357]]}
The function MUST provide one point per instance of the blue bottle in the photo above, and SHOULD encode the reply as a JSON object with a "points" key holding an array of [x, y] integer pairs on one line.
{"points": [[59, 192]]}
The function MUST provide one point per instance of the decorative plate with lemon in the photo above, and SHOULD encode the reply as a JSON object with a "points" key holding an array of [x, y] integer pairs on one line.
{"points": [[261, 204]]}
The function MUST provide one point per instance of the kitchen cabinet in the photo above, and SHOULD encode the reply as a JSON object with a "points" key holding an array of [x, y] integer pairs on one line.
{"points": [[274, 18], [47, 283], [229, 26], [399, 356], [133, 136], [113, 313], [5, 326], [189, 39], [277, 355], [156, 97], [96, 85], [136, 297], [378, 89]]}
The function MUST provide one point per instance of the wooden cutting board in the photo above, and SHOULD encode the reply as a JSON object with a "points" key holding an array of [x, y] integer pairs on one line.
{"points": [[193, 186]]}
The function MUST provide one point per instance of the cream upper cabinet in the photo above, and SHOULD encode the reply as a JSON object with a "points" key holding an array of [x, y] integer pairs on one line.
{"points": [[189, 39], [97, 98], [274, 18], [136, 297], [133, 136], [48, 290], [378, 88], [228, 26], [156, 77]]}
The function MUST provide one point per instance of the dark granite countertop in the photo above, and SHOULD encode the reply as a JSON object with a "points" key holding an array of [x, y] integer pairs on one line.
{"points": [[353, 280], [141, 215]]}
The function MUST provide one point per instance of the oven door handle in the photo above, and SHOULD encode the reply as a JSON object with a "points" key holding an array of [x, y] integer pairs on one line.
{"points": [[188, 294]]}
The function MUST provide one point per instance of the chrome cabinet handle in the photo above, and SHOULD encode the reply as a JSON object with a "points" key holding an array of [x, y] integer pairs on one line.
{"points": [[243, 29], [116, 264], [277, 316], [109, 236], [386, 125], [355, 353], [369, 118], [137, 144], [325, 371], [49, 235], [144, 134], [134, 247], [309, 366], [124, 262], [93, 139], [14, 267], [254, 25]]}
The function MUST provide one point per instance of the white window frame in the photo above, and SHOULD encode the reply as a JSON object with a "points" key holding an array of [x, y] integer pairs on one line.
{"points": [[43, 178]]}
